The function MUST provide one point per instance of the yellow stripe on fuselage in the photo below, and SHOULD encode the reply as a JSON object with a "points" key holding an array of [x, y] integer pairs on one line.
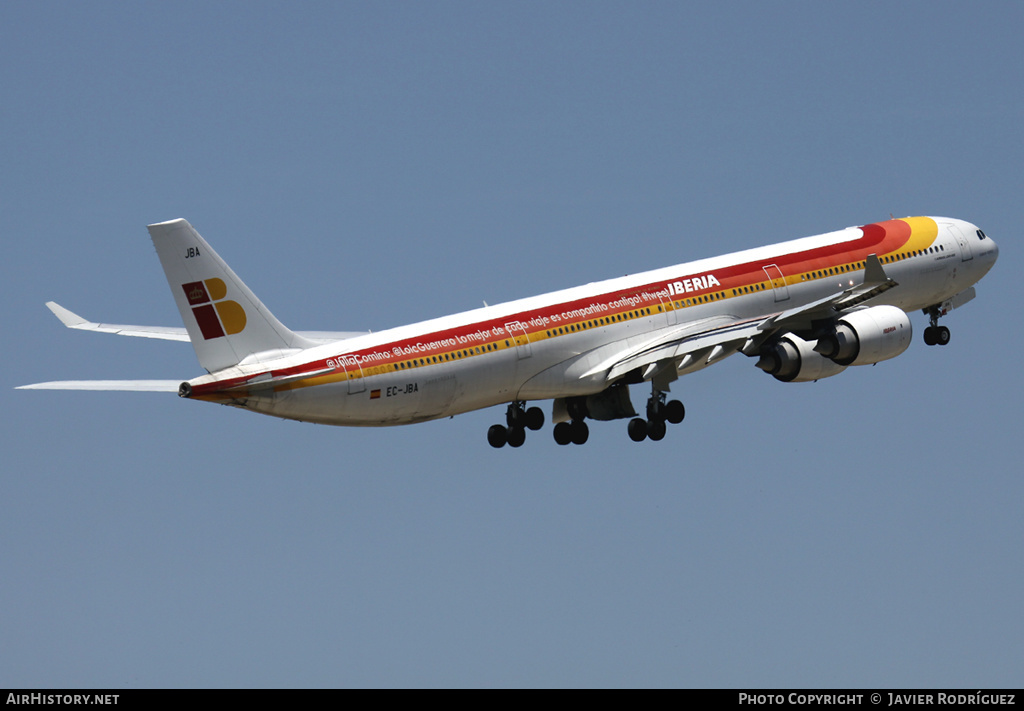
{"points": [[923, 231]]}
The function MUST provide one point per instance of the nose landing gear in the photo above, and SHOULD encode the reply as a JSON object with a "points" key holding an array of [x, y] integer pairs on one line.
{"points": [[934, 334]]}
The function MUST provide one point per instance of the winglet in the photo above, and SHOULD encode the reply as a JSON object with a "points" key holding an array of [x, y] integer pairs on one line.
{"points": [[68, 318], [873, 272]]}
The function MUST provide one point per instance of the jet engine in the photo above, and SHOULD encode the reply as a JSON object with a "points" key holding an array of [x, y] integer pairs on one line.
{"points": [[791, 359], [867, 336]]}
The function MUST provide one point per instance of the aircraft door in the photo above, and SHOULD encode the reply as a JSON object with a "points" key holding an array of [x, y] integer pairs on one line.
{"points": [[778, 282], [965, 245], [517, 332], [671, 317], [354, 373]]}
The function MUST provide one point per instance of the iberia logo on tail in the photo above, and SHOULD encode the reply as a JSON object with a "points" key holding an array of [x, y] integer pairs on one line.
{"points": [[215, 316]]}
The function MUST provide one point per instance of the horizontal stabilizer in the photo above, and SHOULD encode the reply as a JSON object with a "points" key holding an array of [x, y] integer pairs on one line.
{"points": [[171, 333], [73, 320], [141, 386]]}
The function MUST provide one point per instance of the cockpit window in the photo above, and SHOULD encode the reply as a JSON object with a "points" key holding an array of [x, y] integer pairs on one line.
{"points": [[981, 234]]}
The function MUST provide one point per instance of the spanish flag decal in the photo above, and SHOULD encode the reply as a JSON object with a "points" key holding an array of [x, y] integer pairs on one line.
{"points": [[374, 394]]}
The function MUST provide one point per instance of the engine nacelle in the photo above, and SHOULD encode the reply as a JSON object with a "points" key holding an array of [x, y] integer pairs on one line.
{"points": [[867, 336], [793, 360]]}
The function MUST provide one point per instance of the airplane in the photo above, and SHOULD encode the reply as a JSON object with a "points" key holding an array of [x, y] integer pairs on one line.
{"points": [[805, 309]]}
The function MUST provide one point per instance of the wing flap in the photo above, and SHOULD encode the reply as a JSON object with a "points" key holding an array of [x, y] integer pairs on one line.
{"points": [[680, 345]]}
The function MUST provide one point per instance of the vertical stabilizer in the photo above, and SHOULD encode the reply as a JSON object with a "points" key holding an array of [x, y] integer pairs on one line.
{"points": [[225, 321]]}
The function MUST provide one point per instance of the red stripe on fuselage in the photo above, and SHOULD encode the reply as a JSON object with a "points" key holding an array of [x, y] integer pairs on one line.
{"points": [[877, 238]]}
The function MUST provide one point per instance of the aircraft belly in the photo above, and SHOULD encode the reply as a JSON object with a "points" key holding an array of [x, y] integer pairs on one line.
{"points": [[404, 397], [323, 404], [396, 398], [385, 401], [925, 286]]}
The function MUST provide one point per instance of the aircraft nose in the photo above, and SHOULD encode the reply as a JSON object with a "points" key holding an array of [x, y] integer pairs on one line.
{"points": [[990, 250]]}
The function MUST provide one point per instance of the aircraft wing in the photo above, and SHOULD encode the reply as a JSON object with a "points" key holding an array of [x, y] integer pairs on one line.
{"points": [[169, 333], [142, 386], [699, 343]]}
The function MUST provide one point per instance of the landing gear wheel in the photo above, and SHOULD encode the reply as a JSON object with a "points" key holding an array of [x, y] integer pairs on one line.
{"points": [[563, 433], [516, 437], [656, 430], [580, 432], [534, 418], [577, 408], [497, 436], [659, 411], [656, 408], [637, 429], [674, 411], [935, 335]]}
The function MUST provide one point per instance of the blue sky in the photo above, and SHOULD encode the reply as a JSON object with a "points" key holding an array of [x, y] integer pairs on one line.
{"points": [[367, 165]]}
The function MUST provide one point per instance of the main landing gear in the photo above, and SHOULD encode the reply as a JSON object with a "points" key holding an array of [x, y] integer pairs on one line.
{"points": [[658, 413], [613, 404], [934, 334], [576, 430], [518, 419]]}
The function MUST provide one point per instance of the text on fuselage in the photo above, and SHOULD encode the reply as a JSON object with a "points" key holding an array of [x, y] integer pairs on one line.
{"points": [[698, 283]]}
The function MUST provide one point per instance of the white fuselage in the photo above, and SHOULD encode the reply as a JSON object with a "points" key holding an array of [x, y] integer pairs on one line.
{"points": [[553, 346]]}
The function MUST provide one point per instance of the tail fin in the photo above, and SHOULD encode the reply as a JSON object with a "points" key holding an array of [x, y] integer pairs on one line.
{"points": [[225, 321]]}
